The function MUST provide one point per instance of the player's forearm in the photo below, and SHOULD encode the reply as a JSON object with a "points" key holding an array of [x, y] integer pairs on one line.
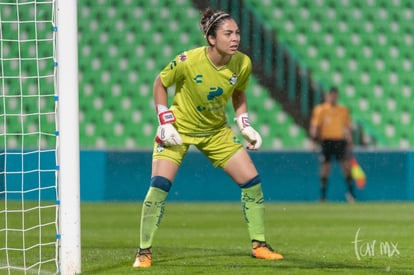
{"points": [[160, 93], [239, 103]]}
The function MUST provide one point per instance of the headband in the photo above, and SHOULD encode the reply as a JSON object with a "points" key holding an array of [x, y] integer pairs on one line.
{"points": [[213, 19]]}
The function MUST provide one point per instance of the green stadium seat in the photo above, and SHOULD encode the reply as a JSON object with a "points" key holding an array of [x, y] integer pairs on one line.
{"points": [[141, 47], [377, 37]]}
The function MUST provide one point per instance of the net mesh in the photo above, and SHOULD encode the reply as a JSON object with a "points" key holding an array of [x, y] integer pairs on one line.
{"points": [[28, 138]]}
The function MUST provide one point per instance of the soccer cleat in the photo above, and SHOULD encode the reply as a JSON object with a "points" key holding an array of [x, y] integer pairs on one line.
{"points": [[262, 250], [143, 258]]}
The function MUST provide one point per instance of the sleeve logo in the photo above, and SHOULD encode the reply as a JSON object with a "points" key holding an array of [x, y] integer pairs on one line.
{"points": [[182, 57]]}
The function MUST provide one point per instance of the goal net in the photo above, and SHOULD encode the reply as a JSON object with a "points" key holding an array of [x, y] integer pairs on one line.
{"points": [[30, 237]]}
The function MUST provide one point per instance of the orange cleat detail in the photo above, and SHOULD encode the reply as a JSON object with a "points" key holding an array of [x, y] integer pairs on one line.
{"points": [[262, 250], [143, 258]]}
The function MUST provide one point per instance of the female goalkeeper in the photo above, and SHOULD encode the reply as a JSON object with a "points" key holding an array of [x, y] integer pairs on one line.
{"points": [[205, 79]]}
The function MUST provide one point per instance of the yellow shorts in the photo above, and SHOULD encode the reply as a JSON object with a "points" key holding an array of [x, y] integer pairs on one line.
{"points": [[218, 147]]}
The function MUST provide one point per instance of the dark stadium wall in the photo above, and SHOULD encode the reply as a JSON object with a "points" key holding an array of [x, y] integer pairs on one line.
{"points": [[286, 176]]}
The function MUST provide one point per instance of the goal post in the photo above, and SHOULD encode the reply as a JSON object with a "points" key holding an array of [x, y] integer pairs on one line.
{"points": [[39, 138], [68, 138]]}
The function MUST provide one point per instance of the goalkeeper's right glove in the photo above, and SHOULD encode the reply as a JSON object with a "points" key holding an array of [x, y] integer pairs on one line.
{"points": [[167, 135], [251, 135]]}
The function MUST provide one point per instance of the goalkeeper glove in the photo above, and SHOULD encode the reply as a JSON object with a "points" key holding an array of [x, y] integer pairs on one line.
{"points": [[251, 135], [167, 135]]}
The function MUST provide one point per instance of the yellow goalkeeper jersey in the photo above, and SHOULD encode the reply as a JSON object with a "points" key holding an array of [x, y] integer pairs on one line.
{"points": [[202, 90]]}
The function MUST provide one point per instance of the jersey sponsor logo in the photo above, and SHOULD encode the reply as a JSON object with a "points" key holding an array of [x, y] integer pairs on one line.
{"points": [[214, 92], [200, 108], [209, 107], [198, 78], [212, 106]]}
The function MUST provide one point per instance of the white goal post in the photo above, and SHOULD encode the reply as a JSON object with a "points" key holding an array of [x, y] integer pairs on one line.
{"points": [[39, 138], [68, 150]]}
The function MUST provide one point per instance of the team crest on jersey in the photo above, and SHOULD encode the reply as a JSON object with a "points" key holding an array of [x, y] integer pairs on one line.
{"points": [[182, 57], [233, 79]]}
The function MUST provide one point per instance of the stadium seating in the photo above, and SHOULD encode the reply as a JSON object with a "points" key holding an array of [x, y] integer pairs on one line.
{"points": [[122, 48], [362, 46]]}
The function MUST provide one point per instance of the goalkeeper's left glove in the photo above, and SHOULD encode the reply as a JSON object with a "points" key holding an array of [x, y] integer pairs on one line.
{"points": [[251, 135]]}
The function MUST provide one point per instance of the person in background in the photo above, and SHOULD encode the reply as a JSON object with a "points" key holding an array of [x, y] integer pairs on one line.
{"points": [[330, 126], [206, 78]]}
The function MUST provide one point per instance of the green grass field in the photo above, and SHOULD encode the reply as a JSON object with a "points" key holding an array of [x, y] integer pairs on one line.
{"points": [[211, 238]]}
